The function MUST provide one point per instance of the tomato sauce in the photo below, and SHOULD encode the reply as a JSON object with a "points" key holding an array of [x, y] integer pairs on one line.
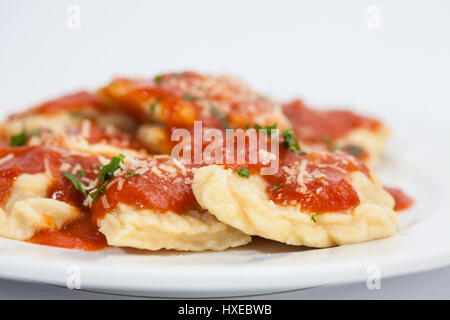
{"points": [[116, 138], [73, 103], [159, 192], [81, 234], [402, 200], [325, 185], [315, 126], [188, 96], [317, 182]]}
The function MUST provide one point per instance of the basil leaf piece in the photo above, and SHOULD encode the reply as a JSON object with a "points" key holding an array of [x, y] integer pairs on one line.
{"points": [[244, 173], [18, 140], [77, 184]]}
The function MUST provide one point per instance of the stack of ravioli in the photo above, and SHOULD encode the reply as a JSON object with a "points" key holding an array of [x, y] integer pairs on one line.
{"points": [[95, 169]]}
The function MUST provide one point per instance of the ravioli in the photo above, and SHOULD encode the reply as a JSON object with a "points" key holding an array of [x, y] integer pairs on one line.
{"points": [[81, 121], [69, 113], [177, 100], [193, 230], [314, 200], [331, 130], [150, 205]]}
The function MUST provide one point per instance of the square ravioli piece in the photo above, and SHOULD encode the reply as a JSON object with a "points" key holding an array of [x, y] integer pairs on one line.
{"points": [[317, 200]]}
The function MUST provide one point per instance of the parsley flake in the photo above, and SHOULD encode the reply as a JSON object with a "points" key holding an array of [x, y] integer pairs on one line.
{"points": [[107, 171], [354, 150], [106, 174], [267, 128], [157, 78], [313, 217], [94, 195], [75, 115], [328, 141], [132, 173], [18, 140], [221, 117], [244, 173], [77, 183], [290, 141], [189, 97], [153, 105], [35, 133], [81, 173]]}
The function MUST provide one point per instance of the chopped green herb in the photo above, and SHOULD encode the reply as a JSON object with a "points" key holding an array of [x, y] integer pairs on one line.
{"points": [[158, 79], [290, 141], [221, 116], [328, 141], [18, 139], [21, 138], [268, 128], [276, 187], [132, 173], [244, 173], [153, 105], [106, 174], [35, 133], [152, 108], [331, 145], [354, 150], [75, 114], [107, 171], [77, 184], [81, 173], [247, 126], [313, 217], [257, 127], [94, 195], [335, 148], [189, 97]]}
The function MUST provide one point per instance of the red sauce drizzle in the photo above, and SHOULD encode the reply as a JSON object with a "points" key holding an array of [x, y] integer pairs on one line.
{"points": [[314, 125], [332, 192], [402, 200]]}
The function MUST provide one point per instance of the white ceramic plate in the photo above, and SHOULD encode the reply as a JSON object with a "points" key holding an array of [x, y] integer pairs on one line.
{"points": [[415, 161]]}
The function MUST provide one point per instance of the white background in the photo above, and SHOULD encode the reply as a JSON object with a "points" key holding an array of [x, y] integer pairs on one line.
{"points": [[323, 51]]}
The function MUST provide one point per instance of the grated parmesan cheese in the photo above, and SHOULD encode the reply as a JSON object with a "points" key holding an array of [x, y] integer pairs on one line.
{"points": [[7, 158], [86, 129], [48, 171], [167, 168]]}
